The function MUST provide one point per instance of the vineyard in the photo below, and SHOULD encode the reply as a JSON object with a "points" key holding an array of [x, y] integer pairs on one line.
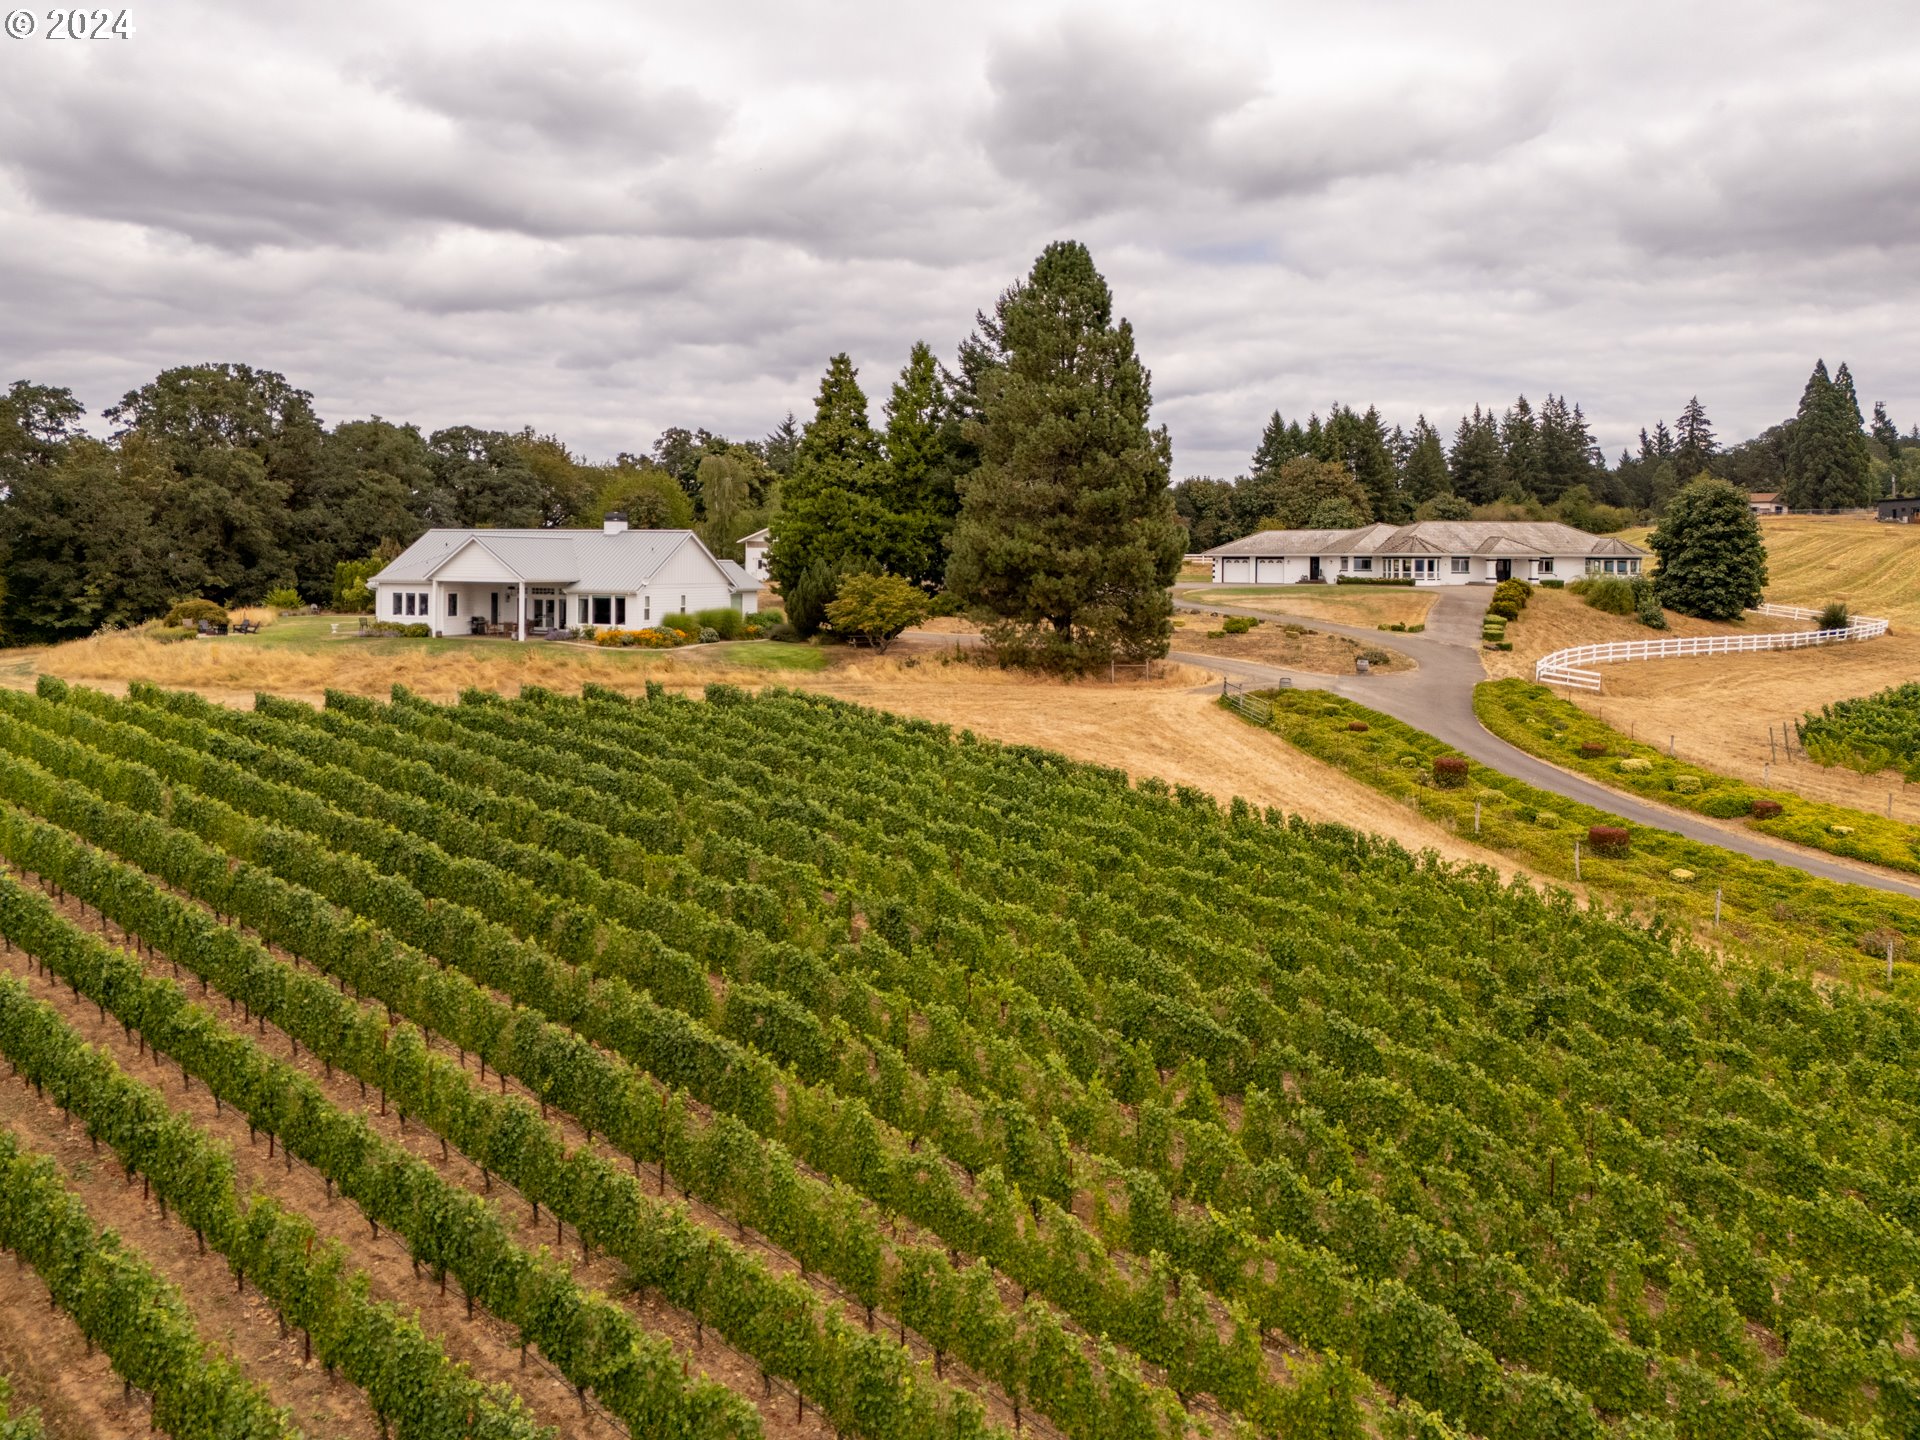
{"points": [[740, 1066], [1873, 733]]}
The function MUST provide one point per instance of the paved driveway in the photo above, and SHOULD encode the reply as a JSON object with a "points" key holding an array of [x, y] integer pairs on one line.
{"points": [[1438, 698]]}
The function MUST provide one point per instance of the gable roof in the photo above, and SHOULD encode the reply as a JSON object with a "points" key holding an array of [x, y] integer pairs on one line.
{"points": [[1433, 537], [758, 537], [588, 560]]}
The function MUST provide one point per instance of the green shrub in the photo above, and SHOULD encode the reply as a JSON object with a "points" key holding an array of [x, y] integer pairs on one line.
{"points": [[1546, 820], [414, 631], [1377, 657], [1646, 605], [1238, 624], [1415, 629], [723, 620], [1370, 580], [1833, 616], [1610, 594], [1505, 609], [1727, 804], [283, 597], [682, 622], [1686, 784], [1553, 584], [1636, 766], [1518, 591], [192, 612]]}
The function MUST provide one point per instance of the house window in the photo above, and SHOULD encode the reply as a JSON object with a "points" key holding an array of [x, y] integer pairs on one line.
{"points": [[426, 602], [646, 608], [1546, 564], [409, 602], [683, 604], [396, 602], [619, 609], [1425, 569], [602, 610], [1633, 567], [453, 603], [1363, 563], [1460, 564]]}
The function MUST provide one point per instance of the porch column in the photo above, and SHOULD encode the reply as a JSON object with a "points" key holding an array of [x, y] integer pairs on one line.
{"points": [[433, 608], [520, 594]]}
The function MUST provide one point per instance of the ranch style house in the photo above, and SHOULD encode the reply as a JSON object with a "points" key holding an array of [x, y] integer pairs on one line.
{"points": [[1428, 552], [528, 582]]}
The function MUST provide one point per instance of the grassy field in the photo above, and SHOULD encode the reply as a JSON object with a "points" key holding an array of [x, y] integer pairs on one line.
{"points": [[1543, 723], [1365, 605], [1770, 910], [1812, 559], [1555, 619]]}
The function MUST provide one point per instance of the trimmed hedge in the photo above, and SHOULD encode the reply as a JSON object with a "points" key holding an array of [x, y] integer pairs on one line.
{"points": [[1612, 840]]}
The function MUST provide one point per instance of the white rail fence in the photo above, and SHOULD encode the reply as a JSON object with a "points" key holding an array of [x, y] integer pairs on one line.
{"points": [[1567, 667]]}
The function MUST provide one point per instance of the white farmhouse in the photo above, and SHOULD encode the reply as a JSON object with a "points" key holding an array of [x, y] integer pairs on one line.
{"points": [[755, 546], [1429, 552], [521, 582]]}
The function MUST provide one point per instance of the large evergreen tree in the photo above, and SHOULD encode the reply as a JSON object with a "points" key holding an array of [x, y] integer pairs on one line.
{"points": [[1279, 443], [1566, 449], [1828, 462], [920, 482], [830, 521], [1477, 461], [1425, 474], [1520, 448], [1712, 561], [1359, 442], [1067, 532], [1694, 446]]}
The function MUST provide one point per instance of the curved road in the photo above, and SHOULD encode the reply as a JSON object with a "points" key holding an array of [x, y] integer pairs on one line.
{"points": [[1438, 698]]}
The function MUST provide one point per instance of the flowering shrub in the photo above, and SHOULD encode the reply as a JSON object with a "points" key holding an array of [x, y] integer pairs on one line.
{"points": [[653, 637]]}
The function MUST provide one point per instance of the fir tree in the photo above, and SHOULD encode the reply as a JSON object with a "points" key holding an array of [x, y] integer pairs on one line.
{"points": [[1712, 561], [1477, 462], [1828, 462], [1520, 446], [1425, 475], [781, 446], [1067, 532], [1359, 442], [830, 520], [1885, 431], [1695, 447], [920, 493], [1279, 443], [1566, 448]]}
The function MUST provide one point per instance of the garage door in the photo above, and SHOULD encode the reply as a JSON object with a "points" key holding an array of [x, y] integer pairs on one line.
{"points": [[1269, 572], [1235, 568]]}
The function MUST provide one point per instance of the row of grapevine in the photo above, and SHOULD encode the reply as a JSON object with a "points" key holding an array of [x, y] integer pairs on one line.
{"points": [[406, 1377], [753, 1178], [594, 1343], [121, 1304], [1300, 1288]]}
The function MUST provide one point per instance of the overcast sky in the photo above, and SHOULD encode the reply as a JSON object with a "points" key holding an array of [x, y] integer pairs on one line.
{"points": [[604, 219]]}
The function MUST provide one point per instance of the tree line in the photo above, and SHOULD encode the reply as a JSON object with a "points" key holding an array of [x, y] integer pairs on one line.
{"points": [[1350, 469], [1025, 481], [220, 481]]}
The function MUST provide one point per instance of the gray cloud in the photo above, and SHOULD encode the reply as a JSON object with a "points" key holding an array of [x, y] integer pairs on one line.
{"points": [[606, 221]]}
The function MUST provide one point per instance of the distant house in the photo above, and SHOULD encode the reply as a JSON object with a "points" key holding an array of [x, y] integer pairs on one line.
{"points": [[1766, 502], [1430, 552], [523, 582], [1904, 511], [755, 546]]}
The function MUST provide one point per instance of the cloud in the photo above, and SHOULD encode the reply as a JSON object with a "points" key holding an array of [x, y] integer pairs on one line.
{"points": [[611, 219]]}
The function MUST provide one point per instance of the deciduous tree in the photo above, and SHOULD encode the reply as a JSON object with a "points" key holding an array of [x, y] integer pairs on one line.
{"points": [[1713, 563]]}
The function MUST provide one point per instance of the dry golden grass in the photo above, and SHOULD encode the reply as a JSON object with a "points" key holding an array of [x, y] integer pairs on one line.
{"points": [[1718, 708], [232, 673], [1555, 619], [1365, 605], [1812, 559], [1268, 642]]}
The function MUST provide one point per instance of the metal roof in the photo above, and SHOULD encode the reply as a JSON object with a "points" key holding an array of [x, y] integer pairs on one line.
{"points": [[1433, 537], [738, 575], [584, 560]]}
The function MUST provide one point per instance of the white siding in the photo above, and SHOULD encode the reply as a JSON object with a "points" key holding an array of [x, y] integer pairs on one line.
{"points": [[472, 562]]}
